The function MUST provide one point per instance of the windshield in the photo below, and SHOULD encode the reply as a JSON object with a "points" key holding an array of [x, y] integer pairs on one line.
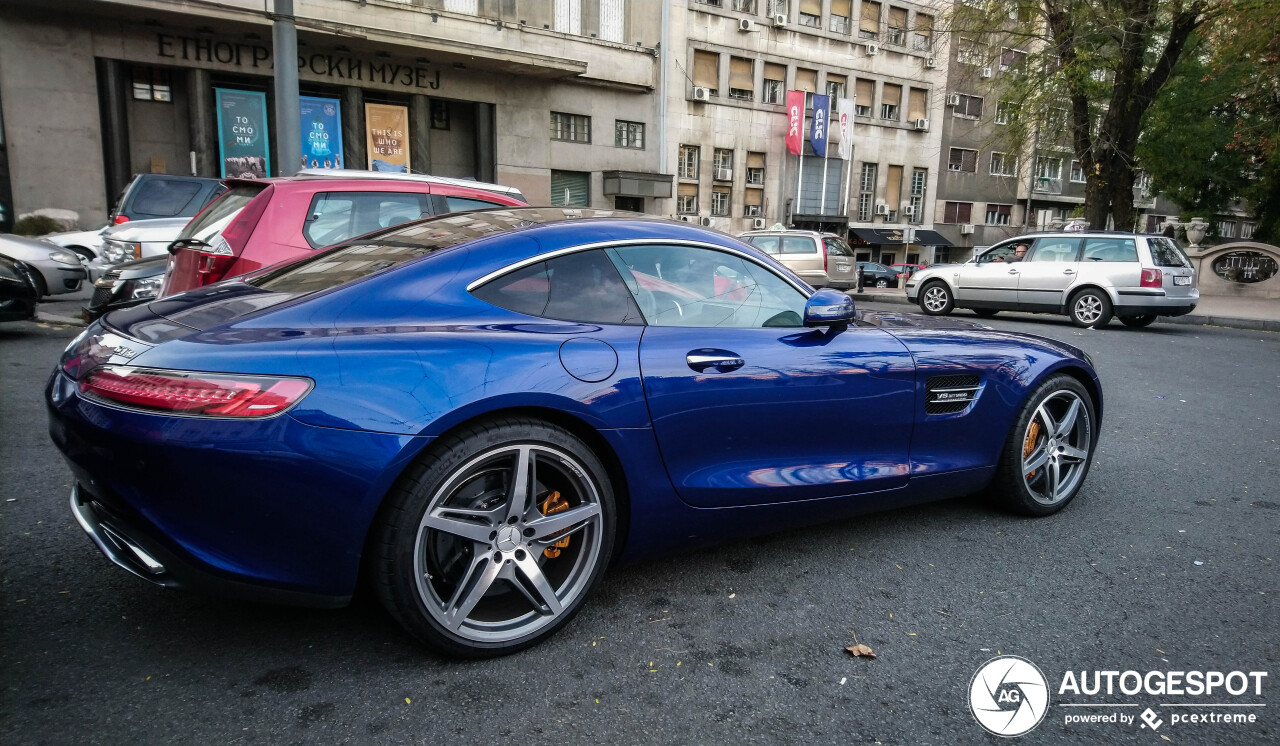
{"points": [[1166, 253], [220, 212]]}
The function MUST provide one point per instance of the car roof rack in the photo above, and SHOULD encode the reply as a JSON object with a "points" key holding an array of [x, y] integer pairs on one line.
{"points": [[351, 173]]}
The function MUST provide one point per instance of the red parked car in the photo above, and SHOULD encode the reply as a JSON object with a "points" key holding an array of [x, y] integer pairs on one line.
{"points": [[259, 222]]}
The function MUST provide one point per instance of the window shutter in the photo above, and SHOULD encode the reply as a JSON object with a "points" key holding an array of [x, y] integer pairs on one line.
{"points": [[892, 94], [840, 79], [706, 70], [775, 72], [687, 190], [806, 80], [893, 190], [612, 19], [870, 20], [842, 8], [569, 16], [741, 74], [924, 24], [570, 188], [811, 7], [916, 107], [753, 197], [970, 162], [755, 160], [898, 17], [866, 92]]}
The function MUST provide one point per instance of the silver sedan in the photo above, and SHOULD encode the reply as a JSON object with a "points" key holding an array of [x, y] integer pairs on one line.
{"points": [[57, 269]]}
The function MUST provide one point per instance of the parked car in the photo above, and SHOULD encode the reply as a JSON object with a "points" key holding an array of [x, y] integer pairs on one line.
{"points": [[87, 244], [877, 275], [57, 270], [150, 196], [478, 413], [127, 284], [260, 222], [18, 294], [140, 238], [820, 259], [1088, 276]]}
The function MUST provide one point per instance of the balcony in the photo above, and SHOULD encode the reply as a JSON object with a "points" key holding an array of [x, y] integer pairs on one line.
{"points": [[1045, 185]]}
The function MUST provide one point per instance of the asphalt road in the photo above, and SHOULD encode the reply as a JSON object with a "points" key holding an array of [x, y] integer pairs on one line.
{"points": [[1166, 561]]}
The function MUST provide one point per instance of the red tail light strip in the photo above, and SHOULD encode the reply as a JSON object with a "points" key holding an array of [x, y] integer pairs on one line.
{"points": [[189, 393], [1152, 278]]}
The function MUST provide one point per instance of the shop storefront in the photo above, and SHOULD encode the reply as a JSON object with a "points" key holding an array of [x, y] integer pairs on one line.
{"points": [[894, 246]]}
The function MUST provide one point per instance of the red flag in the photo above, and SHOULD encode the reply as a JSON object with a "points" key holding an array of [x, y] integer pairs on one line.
{"points": [[795, 122]]}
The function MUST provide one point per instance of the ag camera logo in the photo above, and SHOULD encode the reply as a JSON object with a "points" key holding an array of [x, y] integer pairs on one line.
{"points": [[1009, 696]]}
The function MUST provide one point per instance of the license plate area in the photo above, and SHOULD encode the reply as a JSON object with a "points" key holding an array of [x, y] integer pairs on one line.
{"points": [[842, 268], [1181, 280]]}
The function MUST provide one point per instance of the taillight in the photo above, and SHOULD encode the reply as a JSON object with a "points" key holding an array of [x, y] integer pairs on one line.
{"points": [[189, 393], [215, 259], [120, 219], [1152, 278], [824, 258]]}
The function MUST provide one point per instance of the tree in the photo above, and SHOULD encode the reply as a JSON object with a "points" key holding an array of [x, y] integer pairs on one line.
{"points": [[1092, 70]]}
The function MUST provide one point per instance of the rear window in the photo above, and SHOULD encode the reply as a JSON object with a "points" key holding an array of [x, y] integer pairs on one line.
{"points": [[767, 244], [462, 204], [798, 245], [1166, 253], [584, 286], [164, 197], [337, 267], [220, 212], [837, 247], [335, 217]]}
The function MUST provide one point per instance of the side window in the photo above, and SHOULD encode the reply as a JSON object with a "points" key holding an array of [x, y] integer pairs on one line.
{"points": [[767, 244], [837, 247], [335, 217], [798, 245], [1056, 250], [999, 253], [584, 286], [463, 204], [1110, 250], [694, 287]]}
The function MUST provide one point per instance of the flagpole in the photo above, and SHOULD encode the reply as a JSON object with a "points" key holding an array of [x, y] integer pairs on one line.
{"points": [[799, 181], [823, 205]]}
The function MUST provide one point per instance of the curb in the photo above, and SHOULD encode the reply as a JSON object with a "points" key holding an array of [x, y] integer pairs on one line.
{"points": [[1191, 319], [50, 318]]}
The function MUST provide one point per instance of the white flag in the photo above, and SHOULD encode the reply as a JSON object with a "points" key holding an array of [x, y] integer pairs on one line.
{"points": [[845, 109]]}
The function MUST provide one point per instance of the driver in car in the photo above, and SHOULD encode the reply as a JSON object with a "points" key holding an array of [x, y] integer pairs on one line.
{"points": [[1019, 253]]}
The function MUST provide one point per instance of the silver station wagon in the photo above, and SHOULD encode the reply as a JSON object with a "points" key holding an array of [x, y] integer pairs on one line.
{"points": [[821, 259], [1089, 276]]}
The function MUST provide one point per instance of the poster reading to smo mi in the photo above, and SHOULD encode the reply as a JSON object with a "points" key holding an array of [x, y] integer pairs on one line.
{"points": [[321, 123], [242, 133]]}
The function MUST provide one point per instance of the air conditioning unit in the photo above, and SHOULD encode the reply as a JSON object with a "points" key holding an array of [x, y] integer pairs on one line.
{"points": [[966, 229], [922, 124], [872, 49], [953, 99], [930, 61], [701, 94], [706, 221], [882, 209], [745, 24], [687, 218], [724, 174], [758, 224], [780, 21], [986, 72], [909, 211]]}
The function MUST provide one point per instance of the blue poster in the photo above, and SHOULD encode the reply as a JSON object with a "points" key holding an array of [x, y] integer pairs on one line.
{"points": [[819, 130], [321, 121], [242, 133]]}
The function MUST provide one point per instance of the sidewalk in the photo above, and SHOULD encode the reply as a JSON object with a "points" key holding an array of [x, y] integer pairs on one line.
{"points": [[1212, 310]]}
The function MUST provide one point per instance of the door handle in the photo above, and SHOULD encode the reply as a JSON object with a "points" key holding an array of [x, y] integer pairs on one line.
{"points": [[1013, 271], [1068, 271], [722, 361]]}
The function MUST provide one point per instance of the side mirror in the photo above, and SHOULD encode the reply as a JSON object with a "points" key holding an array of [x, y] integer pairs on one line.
{"points": [[828, 307]]}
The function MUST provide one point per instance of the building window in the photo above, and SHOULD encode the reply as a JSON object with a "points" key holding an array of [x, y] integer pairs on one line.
{"points": [[866, 192], [1077, 172], [971, 52], [957, 212], [810, 20], [721, 198], [962, 159], [970, 107], [1048, 168], [869, 23], [568, 16], [152, 84], [919, 181], [439, 114], [835, 89], [897, 32], [1227, 228], [688, 166], [1006, 111], [570, 127], [999, 214], [613, 15], [628, 134], [841, 13], [742, 79], [470, 7], [890, 102], [773, 91], [1246, 230], [571, 188], [778, 8], [745, 6], [1011, 58], [755, 169], [753, 203], [922, 40], [687, 199], [723, 160], [1003, 165], [706, 71], [863, 98]]}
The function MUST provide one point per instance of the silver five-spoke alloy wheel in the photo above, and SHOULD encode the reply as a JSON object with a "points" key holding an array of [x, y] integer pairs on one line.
{"points": [[508, 542], [1056, 445], [935, 298]]}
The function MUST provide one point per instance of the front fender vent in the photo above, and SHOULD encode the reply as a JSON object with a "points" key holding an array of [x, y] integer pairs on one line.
{"points": [[950, 394]]}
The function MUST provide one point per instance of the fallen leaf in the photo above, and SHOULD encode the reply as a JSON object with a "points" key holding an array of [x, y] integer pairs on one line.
{"points": [[860, 651], [1170, 740], [406, 701]]}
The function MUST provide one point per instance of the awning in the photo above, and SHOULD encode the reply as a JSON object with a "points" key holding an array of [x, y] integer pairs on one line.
{"points": [[896, 237], [637, 184]]}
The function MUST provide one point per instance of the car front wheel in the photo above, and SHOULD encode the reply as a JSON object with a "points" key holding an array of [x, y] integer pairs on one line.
{"points": [[492, 542], [882, 283], [936, 299], [1049, 449]]}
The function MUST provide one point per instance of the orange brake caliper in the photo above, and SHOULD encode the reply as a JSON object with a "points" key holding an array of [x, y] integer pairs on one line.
{"points": [[1033, 433], [554, 504]]}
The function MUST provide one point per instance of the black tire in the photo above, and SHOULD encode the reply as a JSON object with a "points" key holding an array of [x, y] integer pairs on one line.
{"points": [[1089, 308], [412, 562], [936, 299], [882, 283], [1138, 322], [42, 287], [1011, 487], [986, 313]]}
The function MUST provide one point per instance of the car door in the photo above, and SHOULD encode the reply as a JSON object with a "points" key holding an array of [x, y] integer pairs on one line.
{"points": [[988, 280], [749, 406], [1049, 269]]}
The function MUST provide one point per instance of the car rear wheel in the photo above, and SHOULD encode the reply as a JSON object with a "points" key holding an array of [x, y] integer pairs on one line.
{"points": [[1137, 322], [882, 283], [1049, 449], [1090, 308], [986, 313], [492, 542], [936, 299]]}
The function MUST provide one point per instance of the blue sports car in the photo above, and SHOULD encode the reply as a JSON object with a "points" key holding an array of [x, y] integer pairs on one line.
{"points": [[477, 413]]}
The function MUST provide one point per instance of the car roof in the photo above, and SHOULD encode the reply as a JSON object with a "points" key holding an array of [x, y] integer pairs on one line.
{"points": [[791, 232], [350, 173]]}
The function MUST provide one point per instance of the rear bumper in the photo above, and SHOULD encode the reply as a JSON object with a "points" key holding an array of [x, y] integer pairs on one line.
{"points": [[1147, 302]]}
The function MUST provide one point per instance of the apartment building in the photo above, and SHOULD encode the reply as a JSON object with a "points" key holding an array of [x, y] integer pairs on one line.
{"points": [[732, 63]]}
